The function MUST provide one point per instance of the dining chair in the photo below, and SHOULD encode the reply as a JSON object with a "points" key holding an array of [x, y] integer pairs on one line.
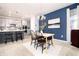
{"points": [[33, 38], [50, 41], [41, 42]]}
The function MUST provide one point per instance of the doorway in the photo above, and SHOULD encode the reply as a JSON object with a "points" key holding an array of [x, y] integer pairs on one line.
{"points": [[72, 22]]}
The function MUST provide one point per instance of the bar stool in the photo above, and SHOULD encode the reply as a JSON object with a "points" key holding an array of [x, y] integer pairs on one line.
{"points": [[8, 37], [19, 35]]}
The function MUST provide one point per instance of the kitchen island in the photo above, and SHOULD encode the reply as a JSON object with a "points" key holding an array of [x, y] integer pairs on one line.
{"points": [[11, 35]]}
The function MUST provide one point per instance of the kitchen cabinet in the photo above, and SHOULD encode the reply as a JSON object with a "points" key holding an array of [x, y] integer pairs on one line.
{"points": [[75, 38]]}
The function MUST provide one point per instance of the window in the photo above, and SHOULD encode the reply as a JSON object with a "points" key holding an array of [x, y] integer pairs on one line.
{"points": [[73, 19]]}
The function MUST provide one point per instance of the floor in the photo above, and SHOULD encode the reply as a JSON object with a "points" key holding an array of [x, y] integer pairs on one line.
{"points": [[18, 48], [15, 49]]}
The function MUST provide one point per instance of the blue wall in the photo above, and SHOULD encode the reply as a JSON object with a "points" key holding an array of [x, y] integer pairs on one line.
{"points": [[57, 31], [61, 13]]}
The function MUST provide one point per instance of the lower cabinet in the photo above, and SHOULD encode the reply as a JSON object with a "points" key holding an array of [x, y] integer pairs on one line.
{"points": [[11, 36], [75, 38], [19, 36], [2, 37]]}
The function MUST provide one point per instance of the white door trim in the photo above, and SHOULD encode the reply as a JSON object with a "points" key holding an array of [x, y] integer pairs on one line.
{"points": [[68, 28]]}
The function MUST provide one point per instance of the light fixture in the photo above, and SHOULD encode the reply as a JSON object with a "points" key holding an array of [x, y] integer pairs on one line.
{"points": [[42, 17]]}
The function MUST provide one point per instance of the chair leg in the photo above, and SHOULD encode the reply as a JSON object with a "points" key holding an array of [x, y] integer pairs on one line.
{"points": [[35, 43], [12, 40], [16, 40], [42, 48], [36, 46], [51, 42], [31, 42], [5, 42], [21, 38], [48, 45]]}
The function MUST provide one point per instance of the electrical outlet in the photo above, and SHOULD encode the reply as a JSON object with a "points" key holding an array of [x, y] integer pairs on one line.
{"points": [[61, 36]]}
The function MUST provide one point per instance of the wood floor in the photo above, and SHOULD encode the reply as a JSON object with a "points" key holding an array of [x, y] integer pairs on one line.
{"points": [[17, 48]]}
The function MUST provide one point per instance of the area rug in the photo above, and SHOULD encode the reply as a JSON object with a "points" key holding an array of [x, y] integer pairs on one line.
{"points": [[52, 51]]}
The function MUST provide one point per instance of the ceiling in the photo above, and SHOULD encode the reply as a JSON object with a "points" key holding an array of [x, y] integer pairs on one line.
{"points": [[29, 9]]}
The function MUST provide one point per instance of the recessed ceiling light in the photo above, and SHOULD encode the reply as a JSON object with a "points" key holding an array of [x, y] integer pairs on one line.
{"points": [[16, 11]]}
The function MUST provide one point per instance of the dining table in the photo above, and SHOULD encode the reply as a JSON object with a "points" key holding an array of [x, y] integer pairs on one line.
{"points": [[46, 35]]}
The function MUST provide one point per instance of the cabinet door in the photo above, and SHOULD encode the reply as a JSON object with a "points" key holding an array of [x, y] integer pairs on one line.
{"points": [[2, 37], [75, 38]]}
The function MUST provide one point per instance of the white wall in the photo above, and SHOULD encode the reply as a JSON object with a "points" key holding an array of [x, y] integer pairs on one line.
{"points": [[37, 24], [24, 21], [34, 23]]}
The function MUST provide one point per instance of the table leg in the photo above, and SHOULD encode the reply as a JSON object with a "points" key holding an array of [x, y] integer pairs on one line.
{"points": [[46, 44], [52, 40]]}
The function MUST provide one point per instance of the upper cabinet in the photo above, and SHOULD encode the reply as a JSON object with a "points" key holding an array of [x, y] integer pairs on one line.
{"points": [[10, 23]]}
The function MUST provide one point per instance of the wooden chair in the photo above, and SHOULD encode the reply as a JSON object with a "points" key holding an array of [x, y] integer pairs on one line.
{"points": [[41, 42], [50, 42], [33, 37]]}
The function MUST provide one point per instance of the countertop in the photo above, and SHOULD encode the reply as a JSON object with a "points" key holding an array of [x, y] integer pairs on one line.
{"points": [[12, 30]]}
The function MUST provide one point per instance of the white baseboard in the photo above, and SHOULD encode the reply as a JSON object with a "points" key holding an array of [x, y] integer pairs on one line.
{"points": [[62, 41]]}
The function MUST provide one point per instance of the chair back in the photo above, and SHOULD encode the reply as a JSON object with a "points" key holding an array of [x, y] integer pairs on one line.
{"points": [[33, 36]]}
